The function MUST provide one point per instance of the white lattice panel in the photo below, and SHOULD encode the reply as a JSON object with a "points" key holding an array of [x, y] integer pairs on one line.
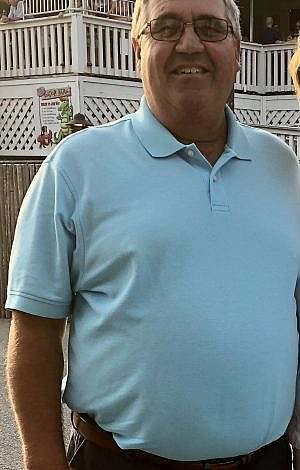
{"points": [[248, 116], [17, 124], [103, 110], [284, 118]]}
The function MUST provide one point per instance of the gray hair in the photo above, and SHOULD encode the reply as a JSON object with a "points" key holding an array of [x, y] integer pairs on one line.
{"points": [[139, 17]]}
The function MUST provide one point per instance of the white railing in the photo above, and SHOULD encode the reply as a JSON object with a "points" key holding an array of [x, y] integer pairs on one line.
{"points": [[72, 43], [42, 7], [277, 58], [248, 78], [109, 49], [114, 8], [264, 69], [123, 8], [40, 47]]}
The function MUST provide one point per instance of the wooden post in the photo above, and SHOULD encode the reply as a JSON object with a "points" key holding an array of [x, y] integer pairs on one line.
{"points": [[251, 20], [71, 6], [262, 79], [79, 44], [263, 118]]}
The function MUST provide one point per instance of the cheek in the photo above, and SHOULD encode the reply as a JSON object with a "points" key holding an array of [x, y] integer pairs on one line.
{"points": [[150, 67], [154, 62]]}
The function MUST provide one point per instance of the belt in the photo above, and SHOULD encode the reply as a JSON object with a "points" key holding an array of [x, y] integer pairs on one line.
{"points": [[103, 439]]}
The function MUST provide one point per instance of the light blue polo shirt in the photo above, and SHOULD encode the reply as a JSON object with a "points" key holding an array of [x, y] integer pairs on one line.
{"points": [[183, 337]]}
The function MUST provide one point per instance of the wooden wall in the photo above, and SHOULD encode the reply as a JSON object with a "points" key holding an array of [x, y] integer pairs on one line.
{"points": [[15, 177]]}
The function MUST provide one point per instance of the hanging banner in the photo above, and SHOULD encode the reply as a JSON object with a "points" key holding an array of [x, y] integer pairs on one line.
{"points": [[55, 111]]}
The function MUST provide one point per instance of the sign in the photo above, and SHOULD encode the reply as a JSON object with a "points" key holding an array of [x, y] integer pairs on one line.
{"points": [[55, 111]]}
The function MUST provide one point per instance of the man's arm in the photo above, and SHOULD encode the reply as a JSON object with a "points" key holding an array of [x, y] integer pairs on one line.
{"points": [[34, 374]]}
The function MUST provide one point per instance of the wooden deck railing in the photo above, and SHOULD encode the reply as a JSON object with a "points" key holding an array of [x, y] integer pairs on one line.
{"points": [[74, 43], [264, 69], [114, 8]]}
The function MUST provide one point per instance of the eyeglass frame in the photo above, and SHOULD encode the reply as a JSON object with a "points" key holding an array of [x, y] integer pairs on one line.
{"points": [[184, 23]]}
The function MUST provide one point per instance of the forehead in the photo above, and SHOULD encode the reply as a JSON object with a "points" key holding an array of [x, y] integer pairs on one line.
{"points": [[186, 8]]}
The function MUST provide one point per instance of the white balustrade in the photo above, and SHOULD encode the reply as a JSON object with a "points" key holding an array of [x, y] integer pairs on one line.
{"points": [[248, 77], [277, 59], [36, 47], [264, 69], [114, 8], [73, 43], [109, 48]]}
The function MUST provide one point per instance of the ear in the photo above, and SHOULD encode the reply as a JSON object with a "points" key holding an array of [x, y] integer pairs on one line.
{"points": [[137, 51]]}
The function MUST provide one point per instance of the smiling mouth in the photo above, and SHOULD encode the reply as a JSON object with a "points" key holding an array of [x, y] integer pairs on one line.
{"points": [[191, 71]]}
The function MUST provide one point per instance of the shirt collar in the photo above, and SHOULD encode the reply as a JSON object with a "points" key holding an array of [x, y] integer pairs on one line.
{"points": [[159, 142], [237, 141], [155, 138]]}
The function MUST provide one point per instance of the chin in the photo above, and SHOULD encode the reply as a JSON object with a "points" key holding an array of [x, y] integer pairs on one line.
{"points": [[191, 102]]}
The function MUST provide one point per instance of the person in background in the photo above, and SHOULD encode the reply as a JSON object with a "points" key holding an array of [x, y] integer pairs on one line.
{"points": [[4, 9], [277, 31], [16, 11], [270, 34], [293, 37], [113, 7], [78, 123], [174, 251]]}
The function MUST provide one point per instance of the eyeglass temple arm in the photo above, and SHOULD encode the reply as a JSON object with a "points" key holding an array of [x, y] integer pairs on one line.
{"points": [[143, 30]]}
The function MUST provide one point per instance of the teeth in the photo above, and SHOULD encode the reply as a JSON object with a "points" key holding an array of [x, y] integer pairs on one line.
{"points": [[190, 71]]}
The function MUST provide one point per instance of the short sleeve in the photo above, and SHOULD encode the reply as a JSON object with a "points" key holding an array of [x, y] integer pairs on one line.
{"points": [[41, 274]]}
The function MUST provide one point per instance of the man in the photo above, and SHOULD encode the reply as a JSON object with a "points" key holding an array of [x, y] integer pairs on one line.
{"points": [[78, 123], [16, 11], [271, 34], [296, 33], [175, 249]]}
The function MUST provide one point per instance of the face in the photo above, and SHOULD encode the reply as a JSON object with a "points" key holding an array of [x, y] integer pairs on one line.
{"points": [[269, 22], [161, 63]]}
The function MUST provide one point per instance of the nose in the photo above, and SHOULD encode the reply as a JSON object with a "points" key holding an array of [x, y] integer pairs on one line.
{"points": [[189, 41]]}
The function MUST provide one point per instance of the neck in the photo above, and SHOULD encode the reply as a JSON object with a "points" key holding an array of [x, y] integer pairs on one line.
{"points": [[208, 131]]}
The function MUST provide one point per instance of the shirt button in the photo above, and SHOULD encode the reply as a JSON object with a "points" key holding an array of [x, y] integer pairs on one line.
{"points": [[190, 153], [215, 178]]}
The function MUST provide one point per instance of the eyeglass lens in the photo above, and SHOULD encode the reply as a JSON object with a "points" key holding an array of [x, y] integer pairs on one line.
{"points": [[170, 29]]}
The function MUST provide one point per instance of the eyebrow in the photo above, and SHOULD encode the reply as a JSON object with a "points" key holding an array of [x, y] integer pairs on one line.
{"points": [[179, 17]]}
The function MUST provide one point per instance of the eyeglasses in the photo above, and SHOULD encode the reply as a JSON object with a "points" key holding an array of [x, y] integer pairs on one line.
{"points": [[208, 28]]}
